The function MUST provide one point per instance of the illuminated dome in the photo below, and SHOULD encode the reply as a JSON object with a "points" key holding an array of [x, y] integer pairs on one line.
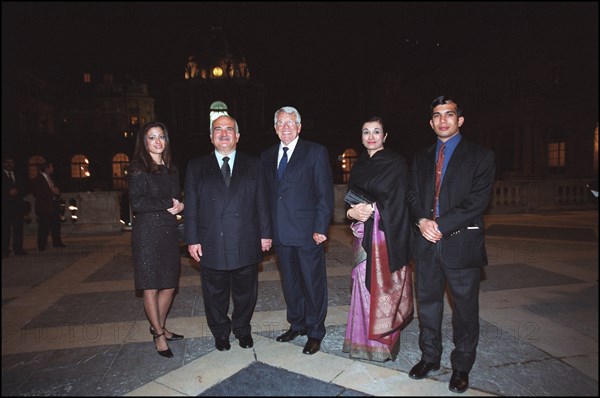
{"points": [[216, 60]]}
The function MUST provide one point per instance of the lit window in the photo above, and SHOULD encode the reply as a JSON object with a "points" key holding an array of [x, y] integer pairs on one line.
{"points": [[134, 120], [556, 154], [119, 169], [87, 77], [80, 167], [348, 159]]}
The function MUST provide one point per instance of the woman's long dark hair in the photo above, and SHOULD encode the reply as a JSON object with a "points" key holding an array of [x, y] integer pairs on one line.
{"points": [[141, 157]]}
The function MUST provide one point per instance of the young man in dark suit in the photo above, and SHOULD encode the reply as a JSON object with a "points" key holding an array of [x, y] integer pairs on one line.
{"points": [[227, 227], [450, 186], [300, 186]]}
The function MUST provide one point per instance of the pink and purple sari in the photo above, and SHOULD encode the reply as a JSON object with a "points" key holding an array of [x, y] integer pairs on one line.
{"points": [[376, 318]]}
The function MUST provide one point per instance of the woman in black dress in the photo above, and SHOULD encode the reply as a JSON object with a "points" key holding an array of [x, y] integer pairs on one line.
{"points": [[154, 196]]}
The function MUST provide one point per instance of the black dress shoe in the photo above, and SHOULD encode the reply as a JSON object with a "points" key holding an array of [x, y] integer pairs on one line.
{"points": [[459, 382], [290, 335], [20, 253], [246, 341], [422, 369], [222, 344], [311, 346], [60, 245], [164, 353]]}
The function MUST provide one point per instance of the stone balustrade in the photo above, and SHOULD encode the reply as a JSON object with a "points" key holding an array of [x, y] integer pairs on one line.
{"points": [[101, 211], [540, 196], [95, 212], [517, 197]]}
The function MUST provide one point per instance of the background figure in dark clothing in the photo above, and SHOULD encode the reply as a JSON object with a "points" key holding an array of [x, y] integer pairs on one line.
{"points": [[13, 209], [47, 209]]}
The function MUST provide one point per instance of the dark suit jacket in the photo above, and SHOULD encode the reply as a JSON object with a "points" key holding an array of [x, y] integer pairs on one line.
{"points": [[12, 205], [45, 203], [464, 196], [227, 222], [302, 202]]}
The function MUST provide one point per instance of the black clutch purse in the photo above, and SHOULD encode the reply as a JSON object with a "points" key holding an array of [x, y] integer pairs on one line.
{"points": [[355, 196]]}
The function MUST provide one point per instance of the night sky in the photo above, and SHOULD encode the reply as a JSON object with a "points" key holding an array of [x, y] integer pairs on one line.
{"points": [[323, 58]]}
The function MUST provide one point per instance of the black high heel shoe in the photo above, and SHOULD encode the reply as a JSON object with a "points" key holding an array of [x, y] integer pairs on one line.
{"points": [[174, 336], [165, 353]]}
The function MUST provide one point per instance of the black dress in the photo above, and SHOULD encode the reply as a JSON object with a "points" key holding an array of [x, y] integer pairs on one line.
{"points": [[154, 240]]}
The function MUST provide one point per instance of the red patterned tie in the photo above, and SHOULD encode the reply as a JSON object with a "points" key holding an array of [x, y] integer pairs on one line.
{"points": [[439, 165]]}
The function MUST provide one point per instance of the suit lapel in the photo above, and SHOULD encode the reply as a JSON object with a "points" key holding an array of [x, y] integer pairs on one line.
{"points": [[429, 165], [271, 163], [215, 178]]}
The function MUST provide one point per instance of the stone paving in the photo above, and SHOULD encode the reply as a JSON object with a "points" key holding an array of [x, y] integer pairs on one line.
{"points": [[72, 324]]}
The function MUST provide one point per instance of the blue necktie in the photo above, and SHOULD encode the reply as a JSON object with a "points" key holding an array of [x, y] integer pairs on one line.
{"points": [[282, 164]]}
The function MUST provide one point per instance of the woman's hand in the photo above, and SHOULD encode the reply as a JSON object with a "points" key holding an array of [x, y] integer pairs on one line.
{"points": [[360, 212], [177, 207]]}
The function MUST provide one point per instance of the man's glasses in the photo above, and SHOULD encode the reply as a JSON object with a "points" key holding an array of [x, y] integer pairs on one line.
{"points": [[289, 123]]}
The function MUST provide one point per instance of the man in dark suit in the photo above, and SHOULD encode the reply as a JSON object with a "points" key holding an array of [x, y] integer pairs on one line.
{"points": [[449, 244], [301, 191], [13, 209], [47, 207], [227, 224]]}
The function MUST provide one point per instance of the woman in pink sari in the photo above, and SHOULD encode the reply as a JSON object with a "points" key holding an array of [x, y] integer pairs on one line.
{"points": [[382, 300]]}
